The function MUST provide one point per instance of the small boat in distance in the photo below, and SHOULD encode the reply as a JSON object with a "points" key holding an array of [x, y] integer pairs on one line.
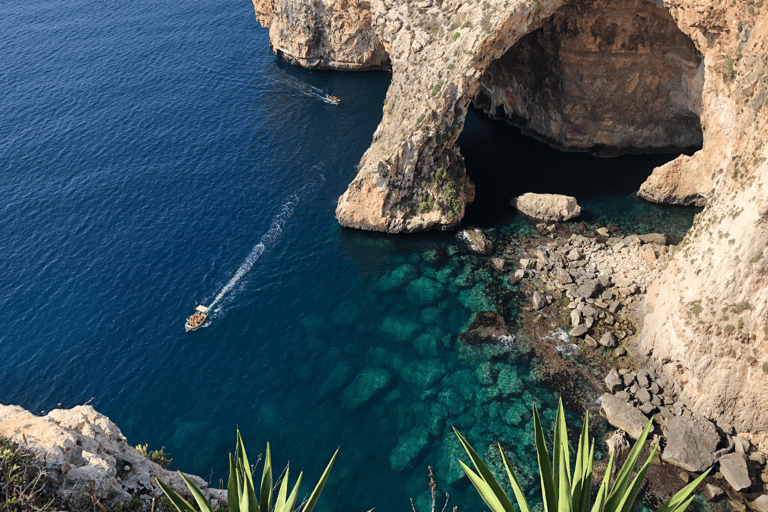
{"points": [[197, 319], [333, 99]]}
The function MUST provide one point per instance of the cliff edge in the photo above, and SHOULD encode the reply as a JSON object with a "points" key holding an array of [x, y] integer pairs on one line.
{"points": [[86, 456]]}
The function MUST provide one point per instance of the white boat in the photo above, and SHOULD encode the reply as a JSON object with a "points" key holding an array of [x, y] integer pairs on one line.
{"points": [[196, 320], [333, 99]]}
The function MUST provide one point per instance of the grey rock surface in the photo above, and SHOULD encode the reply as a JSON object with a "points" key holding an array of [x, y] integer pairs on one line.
{"points": [[734, 468], [712, 491], [579, 331], [691, 443], [613, 381], [621, 414], [618, 443], [607, 340], [760, 504]]}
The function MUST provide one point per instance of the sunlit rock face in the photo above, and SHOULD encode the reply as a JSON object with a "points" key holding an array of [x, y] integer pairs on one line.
{"points": [[317, 34], [603, 75]]}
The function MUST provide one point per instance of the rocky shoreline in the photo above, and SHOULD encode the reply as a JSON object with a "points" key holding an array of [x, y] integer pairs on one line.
{"points": [[595, 285]]}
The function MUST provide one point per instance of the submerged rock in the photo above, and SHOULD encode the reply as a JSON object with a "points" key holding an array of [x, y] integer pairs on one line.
{"points": [[423, 291], [477, 298], [486, 327], [551, 207], [399, 329], [369, 382], [423, 374], [408, 448], [398, 277]]}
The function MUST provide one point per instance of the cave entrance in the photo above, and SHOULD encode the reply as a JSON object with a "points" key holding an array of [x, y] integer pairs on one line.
{"points": [[503, 163], [599, 78]]}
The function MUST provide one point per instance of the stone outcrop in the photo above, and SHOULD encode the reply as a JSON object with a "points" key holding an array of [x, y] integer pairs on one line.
{"points": [[706, 327], [691, 443], [88, 457], [549, 207], [318, 34]]}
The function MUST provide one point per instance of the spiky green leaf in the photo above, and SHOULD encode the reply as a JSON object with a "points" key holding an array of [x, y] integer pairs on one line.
{"points": [[484, 490], [282, 494], [516, 487], [265, 501], [486, 474], [681, 500], [631, 494], [233, 489], [202, 502], [291, 501], [623, 478], [545, 470], [602, 492], [180, 503], [319, 487]]}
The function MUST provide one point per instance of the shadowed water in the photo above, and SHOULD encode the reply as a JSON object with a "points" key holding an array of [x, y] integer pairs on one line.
{"points": [[145, 151]]}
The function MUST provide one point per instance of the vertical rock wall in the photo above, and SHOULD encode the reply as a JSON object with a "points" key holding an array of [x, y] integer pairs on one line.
{"points": [[603, 76], [323, 34]]}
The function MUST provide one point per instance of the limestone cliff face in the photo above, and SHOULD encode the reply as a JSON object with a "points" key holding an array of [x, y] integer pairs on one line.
{"points": [[607, 76], [86, 455], [323, 34], [708, 313], [603, 76]]}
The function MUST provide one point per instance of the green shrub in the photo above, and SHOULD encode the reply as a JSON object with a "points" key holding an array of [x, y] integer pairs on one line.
{"points": [[156, 456], [765, 367], [22, 486], [456, 35], [729, 67], [741, 307], [566, 490], [241, 494]]}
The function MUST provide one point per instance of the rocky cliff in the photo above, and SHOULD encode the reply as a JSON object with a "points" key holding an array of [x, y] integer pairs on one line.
{"points": [[610, 77], [87, 456]]}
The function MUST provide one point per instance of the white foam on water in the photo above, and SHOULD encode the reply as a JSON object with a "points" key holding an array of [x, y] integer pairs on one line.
{"points": [[267, 240], [310, 91], [564, 345]]}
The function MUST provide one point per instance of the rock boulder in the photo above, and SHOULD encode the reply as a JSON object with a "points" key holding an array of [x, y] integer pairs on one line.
{"points": [[476, 240], [621, 414], [691, 443], [551, 207], [734, 468]]}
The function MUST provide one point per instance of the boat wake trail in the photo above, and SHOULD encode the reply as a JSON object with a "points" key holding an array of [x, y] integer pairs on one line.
{"points": [[307, 90], [269, 238]]}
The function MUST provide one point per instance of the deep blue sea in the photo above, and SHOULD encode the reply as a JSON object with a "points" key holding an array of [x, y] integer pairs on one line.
{"points": [[147, 148]]}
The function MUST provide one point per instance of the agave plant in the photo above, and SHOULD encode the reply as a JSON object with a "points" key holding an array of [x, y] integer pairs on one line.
{"points": [[241, 493], [566, 491]]}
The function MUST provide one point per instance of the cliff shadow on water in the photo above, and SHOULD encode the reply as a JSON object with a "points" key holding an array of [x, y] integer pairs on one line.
{"points": [[503, 163]]}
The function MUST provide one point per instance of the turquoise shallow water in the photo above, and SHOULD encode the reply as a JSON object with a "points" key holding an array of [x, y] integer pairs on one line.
{"points": [[144, 151]]}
